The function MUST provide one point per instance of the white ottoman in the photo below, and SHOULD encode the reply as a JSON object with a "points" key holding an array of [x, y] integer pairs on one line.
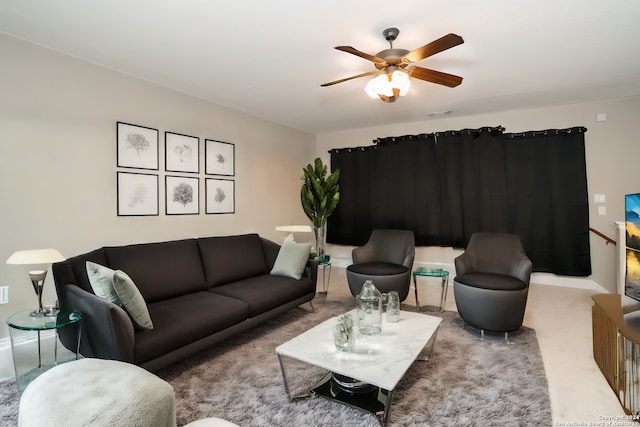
{"points": [[211, 422], [96, 392]]}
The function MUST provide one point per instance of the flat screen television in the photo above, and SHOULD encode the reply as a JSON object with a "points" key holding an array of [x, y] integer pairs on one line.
{"points": [[632, 244]]}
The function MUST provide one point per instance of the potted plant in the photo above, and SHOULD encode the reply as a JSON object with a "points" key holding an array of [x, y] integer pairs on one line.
{"points": [[319, 196]]}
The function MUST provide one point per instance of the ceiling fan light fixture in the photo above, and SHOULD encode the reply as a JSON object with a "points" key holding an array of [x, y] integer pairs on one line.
{"points": [[389, 85]]}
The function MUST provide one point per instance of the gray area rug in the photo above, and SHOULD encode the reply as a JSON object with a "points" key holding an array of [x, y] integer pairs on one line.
{"points": [[466, 382]]}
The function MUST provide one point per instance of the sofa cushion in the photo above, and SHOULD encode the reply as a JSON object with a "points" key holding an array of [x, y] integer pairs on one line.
{"points": [[291, 260], [266, 292], [160, 270], [378, 268], [494, 281], [132, 300], [230, 258], [185, 319]]}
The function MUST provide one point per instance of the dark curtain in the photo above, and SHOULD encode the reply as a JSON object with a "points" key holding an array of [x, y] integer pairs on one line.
{"points": [[449, 185], [350, 223], [548, 201], [473, 190], [393, 184]]}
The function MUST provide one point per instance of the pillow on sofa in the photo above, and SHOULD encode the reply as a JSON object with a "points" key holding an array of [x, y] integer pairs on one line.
{"points": [[117, 287], [291, 260], [132, 300], [101, 280]]}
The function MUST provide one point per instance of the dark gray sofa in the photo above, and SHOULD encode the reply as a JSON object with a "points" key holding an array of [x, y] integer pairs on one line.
{"points": [[198, 292]]}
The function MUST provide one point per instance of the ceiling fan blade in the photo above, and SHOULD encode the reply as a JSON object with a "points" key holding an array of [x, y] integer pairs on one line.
{"points": [[434, 76], [368, 73], [443, 43], [356, 52]]}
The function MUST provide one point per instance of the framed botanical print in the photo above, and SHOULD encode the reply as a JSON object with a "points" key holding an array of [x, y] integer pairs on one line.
{"points": [[219, 158], [182, 195], [220, 196], [137, 194], [137, 146], [182, 153]]}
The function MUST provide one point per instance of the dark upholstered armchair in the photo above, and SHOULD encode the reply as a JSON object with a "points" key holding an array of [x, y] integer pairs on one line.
{"points": [[386, 259], [492, 282]]}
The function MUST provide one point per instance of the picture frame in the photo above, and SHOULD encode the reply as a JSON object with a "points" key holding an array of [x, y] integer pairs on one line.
{"points": [[137, 146], [137, 194], [182, 195], [219, 196], [219, 158], [181, 153]]}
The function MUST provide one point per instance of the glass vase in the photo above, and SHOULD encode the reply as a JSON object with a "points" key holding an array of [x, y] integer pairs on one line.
{"points": [[344, 342], [320, 235], [369, 303]]}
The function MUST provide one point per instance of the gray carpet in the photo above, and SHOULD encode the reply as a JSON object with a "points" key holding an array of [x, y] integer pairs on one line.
{"points": [[467, 381]]}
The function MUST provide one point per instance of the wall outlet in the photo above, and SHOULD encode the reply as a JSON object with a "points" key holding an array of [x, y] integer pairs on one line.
{"points": [[4, 294], [600, 198]]}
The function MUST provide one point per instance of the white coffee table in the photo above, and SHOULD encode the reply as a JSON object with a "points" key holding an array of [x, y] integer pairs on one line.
{"points": [[380, 361]]}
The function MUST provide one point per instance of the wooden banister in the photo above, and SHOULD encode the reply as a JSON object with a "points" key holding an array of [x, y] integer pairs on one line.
{"points": [[605, 237]]}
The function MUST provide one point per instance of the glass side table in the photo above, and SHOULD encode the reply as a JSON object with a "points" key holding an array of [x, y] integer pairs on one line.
{"points": [[34, 343], [434, 272]]}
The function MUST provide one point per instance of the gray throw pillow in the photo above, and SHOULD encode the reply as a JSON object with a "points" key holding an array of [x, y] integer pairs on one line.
{"points": [[101, 280], [132, 300], [291, 260]]}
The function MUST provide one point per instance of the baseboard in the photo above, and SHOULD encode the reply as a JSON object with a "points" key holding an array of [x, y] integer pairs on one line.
{"points": [[6, 359], [567, 282], [537, 278]]}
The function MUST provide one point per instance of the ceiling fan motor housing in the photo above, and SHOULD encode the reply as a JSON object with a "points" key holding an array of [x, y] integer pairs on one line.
{"points": [[390, 34]]}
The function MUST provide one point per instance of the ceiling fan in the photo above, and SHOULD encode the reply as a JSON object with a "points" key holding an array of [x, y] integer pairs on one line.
{"points": [[395, 66]]}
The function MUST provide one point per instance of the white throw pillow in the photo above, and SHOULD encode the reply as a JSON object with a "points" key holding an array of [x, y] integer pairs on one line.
{"points": [[101, 280], [291, 260], [132, 300]]}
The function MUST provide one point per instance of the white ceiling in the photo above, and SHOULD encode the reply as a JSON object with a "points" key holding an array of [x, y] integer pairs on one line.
{"points": [[268, 58]]}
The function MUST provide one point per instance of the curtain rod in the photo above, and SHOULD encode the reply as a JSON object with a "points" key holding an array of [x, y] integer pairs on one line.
{"points": [[422, 136], [577, 129]]}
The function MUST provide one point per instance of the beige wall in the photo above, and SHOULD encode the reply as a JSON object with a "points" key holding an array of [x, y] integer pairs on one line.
{"points": [[58, 162], [613, 158]]}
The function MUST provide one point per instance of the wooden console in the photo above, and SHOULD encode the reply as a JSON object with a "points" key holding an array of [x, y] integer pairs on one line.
{"points": [[616, 348]]}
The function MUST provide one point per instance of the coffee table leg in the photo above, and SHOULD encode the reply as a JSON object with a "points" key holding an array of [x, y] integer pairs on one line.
{"points": [[286, 382], [387, 407], [284, 378], [429, 348]]}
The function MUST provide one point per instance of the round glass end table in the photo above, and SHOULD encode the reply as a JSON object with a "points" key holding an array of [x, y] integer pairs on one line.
{"points": [[34, 342]]}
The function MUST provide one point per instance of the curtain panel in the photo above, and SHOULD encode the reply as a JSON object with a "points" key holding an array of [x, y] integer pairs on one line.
{"points": [[446, 186]]}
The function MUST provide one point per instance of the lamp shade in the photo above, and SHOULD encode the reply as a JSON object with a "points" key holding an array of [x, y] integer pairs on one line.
{"points": [[385, 84], [294, 228], [35, 256]]}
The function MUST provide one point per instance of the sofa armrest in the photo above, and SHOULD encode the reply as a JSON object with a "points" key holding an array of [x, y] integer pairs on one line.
{"points": [[311, 270], [107, 330], [464, 263], [522, 267]]}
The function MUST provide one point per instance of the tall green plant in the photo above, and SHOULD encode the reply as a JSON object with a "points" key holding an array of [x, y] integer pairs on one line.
{"points": [[319, 193]]}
